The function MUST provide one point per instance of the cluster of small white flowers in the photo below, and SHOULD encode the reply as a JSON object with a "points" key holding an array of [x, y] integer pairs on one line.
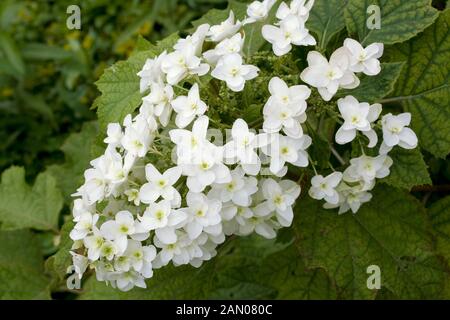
{"points": [[350, 189], [131, 218]]}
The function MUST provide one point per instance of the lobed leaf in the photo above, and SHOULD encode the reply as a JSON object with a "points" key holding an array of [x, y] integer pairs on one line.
{"points": [[22, 206]]}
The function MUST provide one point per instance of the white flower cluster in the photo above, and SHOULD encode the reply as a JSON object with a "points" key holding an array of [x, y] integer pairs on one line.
{"points": [[132, 217]]}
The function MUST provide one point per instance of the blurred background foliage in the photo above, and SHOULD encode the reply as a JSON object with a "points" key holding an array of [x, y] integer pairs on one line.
{"points": [[47, 72]]}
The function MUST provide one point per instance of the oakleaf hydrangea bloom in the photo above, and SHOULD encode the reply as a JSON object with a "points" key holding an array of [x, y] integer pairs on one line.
{"points": [[291, 31], [396, 132], [329, 76], [167, 190], [357, 117], [188, 107], [225, 29], [258, 10], [364, 59], [325, 187], [231, 69]]}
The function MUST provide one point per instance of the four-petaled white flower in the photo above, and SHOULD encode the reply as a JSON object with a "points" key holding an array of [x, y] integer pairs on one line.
{"points": [[160, 185], [325, 187], [258, 10], [297, 8], [290, 32], [242, 147], [188, 107], [366, 169], [225, 29], [231, 70], [357, 117], [364, 59], [286, 149], [396, 132], [160, 98], [280, 197], [329, 76], [179, 64], [119, 229], [203, 212]]}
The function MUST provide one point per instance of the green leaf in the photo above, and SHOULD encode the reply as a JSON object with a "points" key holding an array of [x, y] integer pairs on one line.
{"points": [[400, 19], [440, 218], [423, 86], [41, 51], [377, 87], [21, 267], [408, 170], [12, 54], [390, 232], [245, 268], [77, 151], [326, 20], [22, 206], [119, 85]]}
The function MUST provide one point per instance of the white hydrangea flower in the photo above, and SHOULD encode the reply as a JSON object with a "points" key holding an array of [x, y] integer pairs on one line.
{"points": [[194, 41], [242, 147], [285, 108], [280, 197], [230, 69], [126, 281], [238, 190], [203, 212], [366, 169], [297, 8], [179, 64], [290, 32], [188, 107], [350, 198], [119, 229], [357, 117], [225, 29], [364, 59], [286, 149], [329, 76], [151, 72], [258, 10], [160, 185], [225, 47], [160, 97], [114, 134], [396, 132], [325, 187], [86, 221]]}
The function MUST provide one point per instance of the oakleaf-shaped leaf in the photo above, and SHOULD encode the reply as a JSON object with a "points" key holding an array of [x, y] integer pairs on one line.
{"points": [[400, 19], [423, 87], [390, 232], [326, 19], [77, 151], [408, 170], [376, 87], [440, 218], [22, 267], [22, 206]]}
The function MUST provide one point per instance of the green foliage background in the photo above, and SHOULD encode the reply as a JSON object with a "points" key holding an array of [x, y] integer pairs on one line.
{"points": [[48, 110]]}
